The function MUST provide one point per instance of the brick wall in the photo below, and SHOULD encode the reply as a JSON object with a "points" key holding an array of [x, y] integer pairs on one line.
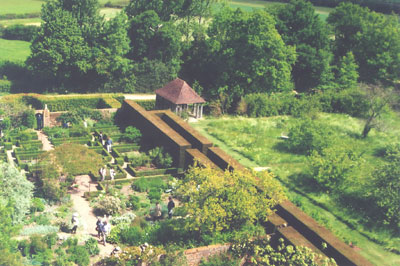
{"points": [[195, 255]]}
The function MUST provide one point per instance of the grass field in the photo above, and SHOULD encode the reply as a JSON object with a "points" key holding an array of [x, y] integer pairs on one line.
{"points": [[14, 51], [20, 6], [257, 142]]}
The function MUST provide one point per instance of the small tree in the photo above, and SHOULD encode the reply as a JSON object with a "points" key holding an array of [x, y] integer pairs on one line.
{"points": [[15, 190], [379, 100], [217, 201]]}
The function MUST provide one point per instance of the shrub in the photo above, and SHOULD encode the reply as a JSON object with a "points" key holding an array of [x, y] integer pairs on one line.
{"points": [[145, 184], [79, 255], [307, 135], [154, 195], [124, 219], [92, 247], [140, 160], [108, 205], [332, 166], [160, 158], [37, 205], [50, 239], [132, 236], [131, 135], [133, 202]]}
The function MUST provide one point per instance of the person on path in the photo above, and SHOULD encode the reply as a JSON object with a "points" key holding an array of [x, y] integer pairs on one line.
{"points": [[112, 174], [103, 173], [109, 144], [171, 206], [101, 139], [99, 225], [75, 223], [105, 230], [157, 212]]}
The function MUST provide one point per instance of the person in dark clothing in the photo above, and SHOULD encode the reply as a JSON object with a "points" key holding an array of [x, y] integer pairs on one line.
{"points": [[171, 206]]}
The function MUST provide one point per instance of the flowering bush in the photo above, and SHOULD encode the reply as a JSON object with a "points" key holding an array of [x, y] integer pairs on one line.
{"points": [[108, 205]]}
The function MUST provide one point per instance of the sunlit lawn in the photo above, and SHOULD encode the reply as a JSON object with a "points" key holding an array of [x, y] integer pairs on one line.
{"points": [[14, 50]]}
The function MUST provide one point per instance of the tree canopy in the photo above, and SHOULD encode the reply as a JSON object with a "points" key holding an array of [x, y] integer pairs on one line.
{"points": [[217, 200], [249, 38], [373, 38], [15, 191], [301, 27]]}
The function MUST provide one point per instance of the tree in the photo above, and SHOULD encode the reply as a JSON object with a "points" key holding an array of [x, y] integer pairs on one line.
{"points": [[347, 74], [16, 191], [379, 99], [58, 168], [77, 49], [112, 68], [300, 26], [155, 41], [245, 53], [217, 200], [373, 38], [59, 50]]}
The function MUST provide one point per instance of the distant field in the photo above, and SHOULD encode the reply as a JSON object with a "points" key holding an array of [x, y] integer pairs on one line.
{"points": [[14, 51], [24, 21], [20, 6]]}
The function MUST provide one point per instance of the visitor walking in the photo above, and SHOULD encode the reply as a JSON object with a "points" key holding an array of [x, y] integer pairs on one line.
{"points": [[74, 222], [101, 138], [109, 144], [157, 212], [112, 173], [105, 230], [171, 206], [99, 225], [103, 173]]}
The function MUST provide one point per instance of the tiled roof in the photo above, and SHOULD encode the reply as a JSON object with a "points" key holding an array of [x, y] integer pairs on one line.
{"points": [[179, 92]]}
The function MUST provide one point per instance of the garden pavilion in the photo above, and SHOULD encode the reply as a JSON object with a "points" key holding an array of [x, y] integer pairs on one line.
{"points": [[178, 96]]}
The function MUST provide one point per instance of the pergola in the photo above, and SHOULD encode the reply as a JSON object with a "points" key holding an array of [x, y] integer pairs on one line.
{"points": [[178, 96]]}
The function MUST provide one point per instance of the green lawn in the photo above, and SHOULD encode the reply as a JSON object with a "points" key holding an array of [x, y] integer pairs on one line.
{"points": [[257, 142], [20, 6], [14, 51]]}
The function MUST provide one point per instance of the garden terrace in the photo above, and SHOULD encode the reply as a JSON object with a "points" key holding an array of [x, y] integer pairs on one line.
{"points": [[197, 140], [155, 132]]}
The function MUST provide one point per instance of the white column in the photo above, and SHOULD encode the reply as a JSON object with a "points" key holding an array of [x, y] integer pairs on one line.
{"points": [[201, 111]]}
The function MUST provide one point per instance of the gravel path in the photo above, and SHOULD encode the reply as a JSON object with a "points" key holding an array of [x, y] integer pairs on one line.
{"points": [[87, 219]]}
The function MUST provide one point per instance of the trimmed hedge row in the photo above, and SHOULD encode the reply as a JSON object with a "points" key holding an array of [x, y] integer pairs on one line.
{"points": [[3, 157], [100, 150], [147, 104], [168, 171], [79, 140], [65, 103]]}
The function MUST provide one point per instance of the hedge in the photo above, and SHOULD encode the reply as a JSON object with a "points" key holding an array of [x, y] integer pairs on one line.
{"points": [[65, 103], [121, 148], [8, 145], [147, 104], [168, 171], [20, 32]]}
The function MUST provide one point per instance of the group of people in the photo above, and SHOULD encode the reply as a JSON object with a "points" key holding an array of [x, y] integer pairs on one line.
{"points": [[107, 142], [103, 228], [158, 213], [103, 173]]}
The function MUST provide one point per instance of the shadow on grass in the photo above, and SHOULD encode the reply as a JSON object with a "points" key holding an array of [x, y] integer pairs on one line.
{"points": [[366, 214]]}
